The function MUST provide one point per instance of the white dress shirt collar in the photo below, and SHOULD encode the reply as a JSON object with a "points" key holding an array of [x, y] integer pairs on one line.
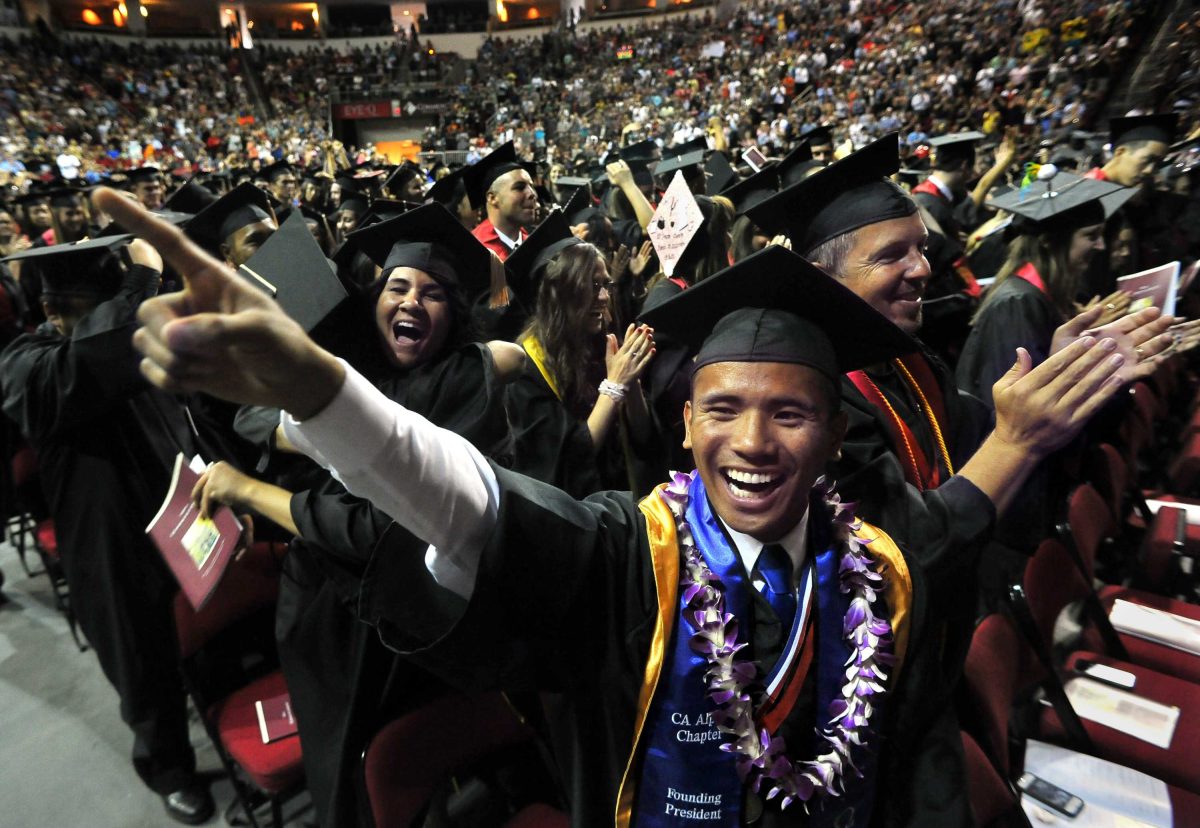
{"points": [[795, 543]]}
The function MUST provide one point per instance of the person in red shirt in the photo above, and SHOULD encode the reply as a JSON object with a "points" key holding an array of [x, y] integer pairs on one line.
{"points": [[503, 188]]}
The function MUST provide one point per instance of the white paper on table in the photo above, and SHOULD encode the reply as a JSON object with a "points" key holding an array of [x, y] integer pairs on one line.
{"points": [[1156, 625], [1131, 714], [1155, 287], [1092, 816], [1191, 510], [1104, 787], [674, 223]]}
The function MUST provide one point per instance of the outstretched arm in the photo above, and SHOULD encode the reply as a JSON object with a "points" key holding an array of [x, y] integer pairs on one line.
{"points": [[222, 337]]}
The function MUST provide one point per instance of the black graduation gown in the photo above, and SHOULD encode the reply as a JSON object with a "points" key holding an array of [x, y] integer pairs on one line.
{"points": [[944, 529], [550, 444], [1017, 314], [106, 443], [565, 601], [343, 682]]}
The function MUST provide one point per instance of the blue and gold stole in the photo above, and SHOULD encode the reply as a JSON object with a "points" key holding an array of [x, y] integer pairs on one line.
{"points": [[685, 777]]}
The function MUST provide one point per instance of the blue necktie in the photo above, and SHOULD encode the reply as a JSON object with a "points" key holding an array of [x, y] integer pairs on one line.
{"points": [[775, 566]]}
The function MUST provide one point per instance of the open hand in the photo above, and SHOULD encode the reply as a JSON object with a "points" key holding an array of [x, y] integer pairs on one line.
{"points": [[1040, 410], [626, 363], [1141, 338]]}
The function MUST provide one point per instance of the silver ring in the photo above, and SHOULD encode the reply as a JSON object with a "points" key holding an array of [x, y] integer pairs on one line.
{"points": [[1110, 306]]}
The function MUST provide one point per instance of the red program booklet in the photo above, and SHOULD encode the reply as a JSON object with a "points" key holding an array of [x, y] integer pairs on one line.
{"points": [[1156, 287], [275, 718], [197, 550]]}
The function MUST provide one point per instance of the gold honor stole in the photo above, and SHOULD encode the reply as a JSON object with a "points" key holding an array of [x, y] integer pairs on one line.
{"points": [[664, 556]]}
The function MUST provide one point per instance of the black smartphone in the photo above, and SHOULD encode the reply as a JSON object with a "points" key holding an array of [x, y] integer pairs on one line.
{"points": [[1051, 795]]}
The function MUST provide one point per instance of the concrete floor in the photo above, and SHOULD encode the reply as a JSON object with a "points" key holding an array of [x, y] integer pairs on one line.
{"points": [[64, 751]]}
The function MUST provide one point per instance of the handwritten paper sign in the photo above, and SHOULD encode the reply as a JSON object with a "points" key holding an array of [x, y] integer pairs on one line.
{"points": [[674, 223]]}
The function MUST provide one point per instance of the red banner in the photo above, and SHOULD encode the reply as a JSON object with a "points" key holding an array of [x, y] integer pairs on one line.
{"points": [[366, 109]]}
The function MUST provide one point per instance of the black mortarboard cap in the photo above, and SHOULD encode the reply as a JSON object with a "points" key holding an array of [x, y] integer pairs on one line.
{"points": [[579, 206], [73, 266], [844, 196], [394, 176], [526, 263], [1143, 128], [147, 173], [795, 165], [428, 238], [699, 144], [245, 204], [955, 147], [190, 198], [444, 188], [480, 176], [773, 306], [383, 209], [355, 200], [817, 136], [114, 228], [719, 173], [752, 191], [32, 197], [291, 267], [65, 196], [641, 151], [687, 161], [1062, 203], [272, 171]]}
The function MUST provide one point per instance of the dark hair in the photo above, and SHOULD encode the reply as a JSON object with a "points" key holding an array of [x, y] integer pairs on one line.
{"points": [[708, 251], [462, 322], [744, 230], [565, 296]]}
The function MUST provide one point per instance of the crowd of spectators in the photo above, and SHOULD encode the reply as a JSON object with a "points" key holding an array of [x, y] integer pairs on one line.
{"points": [[760, 77]]}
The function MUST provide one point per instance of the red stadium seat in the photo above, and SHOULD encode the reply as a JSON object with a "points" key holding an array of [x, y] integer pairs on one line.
{"points": [[247, 590], [408, 758]]}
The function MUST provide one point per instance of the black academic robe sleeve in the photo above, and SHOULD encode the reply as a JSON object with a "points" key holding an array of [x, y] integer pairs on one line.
{"points": [[49, 388], [1017, 315], [564, 602]]}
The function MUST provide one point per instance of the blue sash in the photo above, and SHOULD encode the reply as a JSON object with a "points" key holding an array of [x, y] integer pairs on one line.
{"points": [[686, 779]]}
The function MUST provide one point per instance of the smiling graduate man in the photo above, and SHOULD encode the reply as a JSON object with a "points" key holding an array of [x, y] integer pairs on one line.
{"points": [[699, 639]]}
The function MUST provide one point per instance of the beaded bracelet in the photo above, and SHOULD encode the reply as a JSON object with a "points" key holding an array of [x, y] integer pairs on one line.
{"points": [[613, 389]]}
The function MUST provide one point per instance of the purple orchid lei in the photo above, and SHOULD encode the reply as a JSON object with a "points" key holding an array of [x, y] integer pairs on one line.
{"points": [[761, 758]]}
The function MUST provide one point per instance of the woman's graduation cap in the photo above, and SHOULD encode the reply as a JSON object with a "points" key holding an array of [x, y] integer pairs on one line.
{"points": [[795, 166], [1062, 203], [449, 189], [844, 196], [431, 240], [525, 264], [753, 190], [774, 306], [480, 176]]}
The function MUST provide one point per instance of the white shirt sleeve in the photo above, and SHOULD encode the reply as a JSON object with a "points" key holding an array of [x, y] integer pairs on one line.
{"points": [[431, 481]]}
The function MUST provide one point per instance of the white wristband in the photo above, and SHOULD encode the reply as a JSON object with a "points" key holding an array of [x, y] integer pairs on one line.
{"points": [[613, 389]]}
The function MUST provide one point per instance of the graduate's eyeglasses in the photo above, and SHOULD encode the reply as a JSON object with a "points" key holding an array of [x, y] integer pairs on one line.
{"points": [[603, 284]]}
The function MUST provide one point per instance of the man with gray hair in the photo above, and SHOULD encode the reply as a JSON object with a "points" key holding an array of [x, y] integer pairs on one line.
{"points": [[918, 458]]}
